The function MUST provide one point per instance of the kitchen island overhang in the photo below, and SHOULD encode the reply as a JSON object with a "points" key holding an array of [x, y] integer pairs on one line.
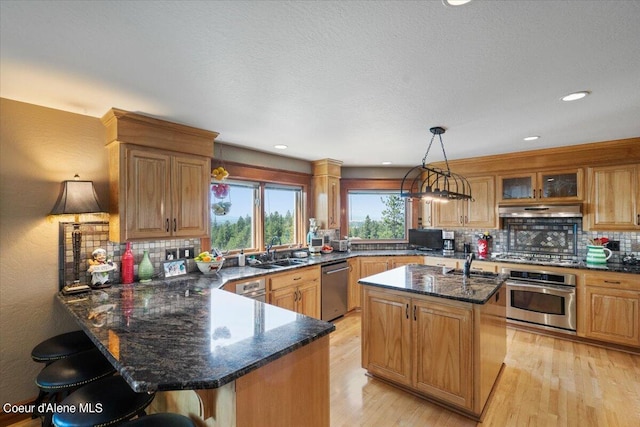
{"points": [[434, 335], [186, 335]]}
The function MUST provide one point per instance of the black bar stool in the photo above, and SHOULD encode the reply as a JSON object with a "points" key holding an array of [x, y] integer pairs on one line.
{"points": [[161, 420], [63, 376], [105, 402], [61, 346], [56, 348]]}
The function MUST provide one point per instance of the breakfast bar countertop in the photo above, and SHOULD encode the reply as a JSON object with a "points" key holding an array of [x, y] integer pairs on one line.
{"points": [[183, 334], [437, 282]]}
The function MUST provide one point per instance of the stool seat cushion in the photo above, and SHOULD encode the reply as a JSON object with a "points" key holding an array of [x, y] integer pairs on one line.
{"points": [[111, 401], [61, 346], [160, 420], [74, 371]]}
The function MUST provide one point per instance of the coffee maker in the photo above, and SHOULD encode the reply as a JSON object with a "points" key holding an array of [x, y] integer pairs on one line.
{"points": [[448, 243]]}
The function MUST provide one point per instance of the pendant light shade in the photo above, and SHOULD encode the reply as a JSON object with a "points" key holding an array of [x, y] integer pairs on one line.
{"points": [[428, 182]]}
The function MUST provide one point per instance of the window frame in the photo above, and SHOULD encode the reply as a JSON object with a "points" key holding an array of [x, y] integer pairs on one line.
{"points": [[266, 176], [347, 185]]}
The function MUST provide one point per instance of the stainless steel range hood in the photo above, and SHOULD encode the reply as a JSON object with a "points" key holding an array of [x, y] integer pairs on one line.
{"points": [[541, 211]]}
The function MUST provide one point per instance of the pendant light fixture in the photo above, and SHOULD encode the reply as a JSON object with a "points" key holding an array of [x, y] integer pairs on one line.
{"points": [[431, 183]]}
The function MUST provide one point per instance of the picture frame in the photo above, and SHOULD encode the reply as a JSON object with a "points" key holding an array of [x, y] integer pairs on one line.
{"points": [[173, 268]]}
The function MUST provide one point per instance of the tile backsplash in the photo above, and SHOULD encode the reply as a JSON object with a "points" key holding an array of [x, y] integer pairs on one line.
{"points": [[96, 235]]}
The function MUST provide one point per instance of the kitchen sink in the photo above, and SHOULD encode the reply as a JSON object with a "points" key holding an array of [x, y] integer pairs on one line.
{"points": [[279, 263]]}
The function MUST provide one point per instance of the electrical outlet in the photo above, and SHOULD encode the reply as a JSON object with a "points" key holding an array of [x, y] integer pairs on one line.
{"points": [[614, 245], [186, 253], [171, 254]]}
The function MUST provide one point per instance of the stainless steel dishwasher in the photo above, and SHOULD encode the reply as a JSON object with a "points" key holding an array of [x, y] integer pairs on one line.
{"points": [[335, 280]]}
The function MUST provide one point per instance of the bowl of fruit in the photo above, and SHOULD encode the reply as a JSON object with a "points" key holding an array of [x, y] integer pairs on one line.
{"points": [[209, 262], [326, 249]]}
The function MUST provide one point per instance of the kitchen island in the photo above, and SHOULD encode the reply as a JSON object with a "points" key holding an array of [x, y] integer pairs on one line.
{"points": [[435, 334], [213, 355]]}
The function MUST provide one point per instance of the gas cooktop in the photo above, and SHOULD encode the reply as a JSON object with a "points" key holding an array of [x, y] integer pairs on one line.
{"points": [[543, 259]]}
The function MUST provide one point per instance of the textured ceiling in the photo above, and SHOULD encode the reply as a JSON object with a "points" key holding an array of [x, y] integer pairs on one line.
{"points": [[361, 82]]}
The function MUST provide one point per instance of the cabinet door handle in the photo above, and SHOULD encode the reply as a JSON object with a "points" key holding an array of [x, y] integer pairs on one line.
{"points": [[534, 193], [540, 193], [175, 225], [297, 278], [414, 312], [299, 296], [612, 282], [461, 220], [167, 225], [406, 311]]}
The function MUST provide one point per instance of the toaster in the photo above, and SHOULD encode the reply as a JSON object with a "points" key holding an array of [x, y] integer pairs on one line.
{"points": [[340, 245]]}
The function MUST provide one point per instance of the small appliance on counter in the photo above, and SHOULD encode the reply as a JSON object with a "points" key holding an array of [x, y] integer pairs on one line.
{"points": [[340, 245], [315, 247], [448, 243]]}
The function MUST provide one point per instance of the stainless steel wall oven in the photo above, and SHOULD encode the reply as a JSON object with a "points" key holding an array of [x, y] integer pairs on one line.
{"points": [[541, 298]]}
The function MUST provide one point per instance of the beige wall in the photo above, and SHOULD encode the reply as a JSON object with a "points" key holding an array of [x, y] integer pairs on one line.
{"points": [[39, 148]]}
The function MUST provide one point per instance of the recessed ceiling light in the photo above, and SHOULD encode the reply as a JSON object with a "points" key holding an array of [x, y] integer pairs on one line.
{"points": [[575, 95], [531, 138], [386, 162], [455, 2], [280, 147]]}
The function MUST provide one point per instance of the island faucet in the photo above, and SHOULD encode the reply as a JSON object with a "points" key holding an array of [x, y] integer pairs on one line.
{"points": [[467, 265]]}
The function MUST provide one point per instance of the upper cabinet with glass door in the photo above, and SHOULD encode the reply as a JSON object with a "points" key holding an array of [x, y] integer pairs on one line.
{"points": [[551, 186]]}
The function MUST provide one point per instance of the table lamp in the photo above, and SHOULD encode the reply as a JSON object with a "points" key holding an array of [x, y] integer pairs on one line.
{"points": [[76, 197]]}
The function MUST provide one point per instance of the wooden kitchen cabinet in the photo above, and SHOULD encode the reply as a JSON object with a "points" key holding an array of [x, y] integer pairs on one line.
{"points": [[167, 195], [614, 198], [386, 336], [159, 176], [477, 213], [442, 351], [326, 192], [298, 291], [373, 265], [354, 290], [536, 187], [448, 350], [611, 308]]}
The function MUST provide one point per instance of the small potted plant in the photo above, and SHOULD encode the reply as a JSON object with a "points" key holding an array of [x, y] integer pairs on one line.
{"points": [[483, 244]]}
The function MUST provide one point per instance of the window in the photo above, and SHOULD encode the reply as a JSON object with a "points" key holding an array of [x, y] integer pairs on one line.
{"points": [[377, 215], [280, 207], [240, 221]]}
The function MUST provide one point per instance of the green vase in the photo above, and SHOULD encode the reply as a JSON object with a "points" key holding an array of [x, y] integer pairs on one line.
{"points": [[145, 269]]}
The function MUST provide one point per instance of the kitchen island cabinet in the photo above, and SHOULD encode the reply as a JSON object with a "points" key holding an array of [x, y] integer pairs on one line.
{"points": [[426, 332], [235, 357]]}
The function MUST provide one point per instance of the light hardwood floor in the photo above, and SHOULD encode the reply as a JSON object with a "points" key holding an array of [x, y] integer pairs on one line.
{"points": [[546, 382]]}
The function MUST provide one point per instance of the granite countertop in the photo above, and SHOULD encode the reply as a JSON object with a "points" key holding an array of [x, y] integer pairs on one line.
{"points": [[185, 334], [433, 281], [227, 274]]}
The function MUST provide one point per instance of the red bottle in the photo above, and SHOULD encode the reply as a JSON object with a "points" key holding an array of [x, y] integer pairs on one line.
{"points": [[126, 267]]}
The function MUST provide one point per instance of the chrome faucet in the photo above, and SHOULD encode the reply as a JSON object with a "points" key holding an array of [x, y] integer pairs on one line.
{"points": [[467, 265], [273, 241]]}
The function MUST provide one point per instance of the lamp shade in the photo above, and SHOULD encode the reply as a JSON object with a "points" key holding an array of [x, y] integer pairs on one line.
{"points": [[77, 197]]}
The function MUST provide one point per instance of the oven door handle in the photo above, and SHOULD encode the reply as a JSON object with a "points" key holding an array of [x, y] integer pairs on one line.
{"points": [[546, 289]]}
